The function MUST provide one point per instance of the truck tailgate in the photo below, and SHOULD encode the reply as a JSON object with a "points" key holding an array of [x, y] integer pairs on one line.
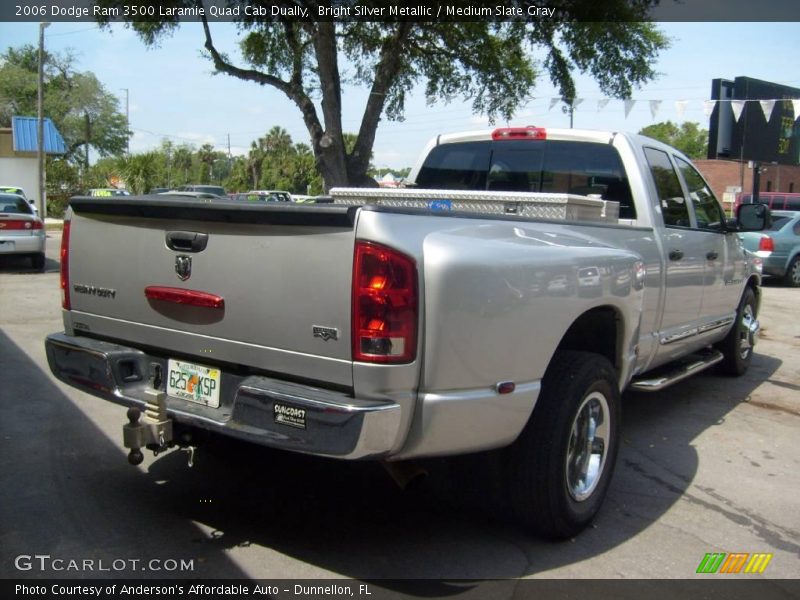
{"points": [[277, 314]]}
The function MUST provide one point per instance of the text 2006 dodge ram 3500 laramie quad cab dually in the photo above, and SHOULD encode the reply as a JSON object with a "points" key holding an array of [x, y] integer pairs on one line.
{"points": [[503, 299]]}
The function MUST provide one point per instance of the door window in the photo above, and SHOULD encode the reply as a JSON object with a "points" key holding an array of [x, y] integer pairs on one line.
{"points": [[670, 194], [707, 209]]}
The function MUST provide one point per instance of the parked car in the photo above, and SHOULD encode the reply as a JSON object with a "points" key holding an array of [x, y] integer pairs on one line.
{"points": [[775, 200], [264, 196], [14, 189], [217, 190], [21, 229], [196, 195], [108, 192], [778, 246]]}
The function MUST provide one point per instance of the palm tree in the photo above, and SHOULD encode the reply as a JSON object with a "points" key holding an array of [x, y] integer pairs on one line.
{"points": [[182, 159], [207, 155], [139, 171]]}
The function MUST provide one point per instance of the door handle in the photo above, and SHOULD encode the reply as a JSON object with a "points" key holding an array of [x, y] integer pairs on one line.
{"points": [[675, 254], [712, 255], [186, 241]]}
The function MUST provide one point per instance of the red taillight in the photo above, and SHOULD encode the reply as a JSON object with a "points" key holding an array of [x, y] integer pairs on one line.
{"points": [[17, 225], [64, 256], [384, 305], [37, 224], [519, 133], [181, 296], [766, 244]]}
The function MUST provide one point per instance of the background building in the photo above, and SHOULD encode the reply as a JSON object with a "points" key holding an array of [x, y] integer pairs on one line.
{"points": [[19, 165]]}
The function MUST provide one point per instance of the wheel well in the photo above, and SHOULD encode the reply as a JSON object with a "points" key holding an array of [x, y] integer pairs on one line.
{"points": [[595, 331], [753, 284]]}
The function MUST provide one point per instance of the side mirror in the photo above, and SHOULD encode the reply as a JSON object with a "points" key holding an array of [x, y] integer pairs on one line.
{"points": [[753, 217]]}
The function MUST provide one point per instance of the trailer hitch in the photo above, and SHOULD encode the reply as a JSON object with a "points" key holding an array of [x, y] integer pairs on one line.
{"points": [[153, 430]]}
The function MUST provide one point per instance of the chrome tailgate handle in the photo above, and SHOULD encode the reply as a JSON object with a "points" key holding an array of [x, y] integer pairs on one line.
{"points": [[186, 241]]}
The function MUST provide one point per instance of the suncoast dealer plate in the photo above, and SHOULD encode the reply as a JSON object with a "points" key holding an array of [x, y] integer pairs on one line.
{"points": [[195, 383]]}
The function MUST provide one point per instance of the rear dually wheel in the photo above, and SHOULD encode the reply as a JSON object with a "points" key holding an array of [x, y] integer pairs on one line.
{"points": [[561, 465]]}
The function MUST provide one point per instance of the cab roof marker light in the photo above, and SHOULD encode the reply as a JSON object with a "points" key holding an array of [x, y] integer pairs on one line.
{"points": [[519, 133]]}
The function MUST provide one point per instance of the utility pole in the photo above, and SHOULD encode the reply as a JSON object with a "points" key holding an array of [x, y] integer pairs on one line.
{"points": [[127, 122], [40, 125]]}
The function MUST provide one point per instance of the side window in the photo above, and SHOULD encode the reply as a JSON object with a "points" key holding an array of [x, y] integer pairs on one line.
{"points": [[706, 208], [670, 194], [588, 169], [796, 228]]}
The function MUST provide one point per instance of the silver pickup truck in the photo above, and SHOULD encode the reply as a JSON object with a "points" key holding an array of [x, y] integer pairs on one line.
{"points": [[503, 299]]}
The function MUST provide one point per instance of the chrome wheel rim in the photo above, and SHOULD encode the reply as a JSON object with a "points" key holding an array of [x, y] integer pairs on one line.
{"points": [[588, 446], [747, 332]]}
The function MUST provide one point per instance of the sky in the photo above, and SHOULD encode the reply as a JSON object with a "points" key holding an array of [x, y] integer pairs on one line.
{"points": [[174, 94]]}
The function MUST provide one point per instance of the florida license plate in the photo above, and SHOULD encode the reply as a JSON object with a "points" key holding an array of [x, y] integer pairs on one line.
{"points": [[195, 383]]}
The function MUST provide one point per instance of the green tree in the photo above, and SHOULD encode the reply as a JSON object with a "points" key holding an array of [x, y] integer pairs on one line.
{"points": [[182, 164], [279, 158], [139, 172], [206, 155], [304, 176], [239, 179], [689, 138], [494, 64], [85, 113]]}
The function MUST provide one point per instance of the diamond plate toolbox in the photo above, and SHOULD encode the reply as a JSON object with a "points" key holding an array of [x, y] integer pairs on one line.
{"points": [[564, 207]]}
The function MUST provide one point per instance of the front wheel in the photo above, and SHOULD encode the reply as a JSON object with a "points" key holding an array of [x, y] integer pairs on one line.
{"points": [[737, 347], [561, 465]]}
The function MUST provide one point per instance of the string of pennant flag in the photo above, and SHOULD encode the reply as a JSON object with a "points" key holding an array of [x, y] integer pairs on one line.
{"points": [[737, 106]]}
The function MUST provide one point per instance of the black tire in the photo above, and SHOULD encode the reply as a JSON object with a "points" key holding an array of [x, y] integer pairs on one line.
{"points": [[737, 347], [792, 276], [547, 493], [38, 260]]}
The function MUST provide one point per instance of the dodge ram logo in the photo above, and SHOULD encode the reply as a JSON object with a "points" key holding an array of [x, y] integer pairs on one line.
{"points": [[183, 267]]}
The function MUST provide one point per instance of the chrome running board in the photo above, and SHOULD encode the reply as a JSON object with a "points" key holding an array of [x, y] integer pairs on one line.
{"points": [[675, 372]]}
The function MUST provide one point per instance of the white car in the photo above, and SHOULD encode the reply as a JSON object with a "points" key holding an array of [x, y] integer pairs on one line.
{"points": [[15, 189], [21, 229]]}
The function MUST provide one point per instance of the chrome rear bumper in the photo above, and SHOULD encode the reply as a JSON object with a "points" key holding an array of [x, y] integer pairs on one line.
{"points": [[333, 423]]}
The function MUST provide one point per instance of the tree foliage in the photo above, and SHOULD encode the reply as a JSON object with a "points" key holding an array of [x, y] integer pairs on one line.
{"points": [[85, 113], [495, 65], [689, 138]]}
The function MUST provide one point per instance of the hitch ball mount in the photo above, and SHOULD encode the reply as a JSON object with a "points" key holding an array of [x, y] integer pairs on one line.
{"points": [[153, 430]]}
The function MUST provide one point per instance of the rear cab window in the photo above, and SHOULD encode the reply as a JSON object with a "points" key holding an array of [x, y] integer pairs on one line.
{"points": [[549, 166]]}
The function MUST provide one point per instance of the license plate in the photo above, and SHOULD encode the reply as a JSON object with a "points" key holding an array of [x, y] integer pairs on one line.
{"points": [[195, 383]]}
